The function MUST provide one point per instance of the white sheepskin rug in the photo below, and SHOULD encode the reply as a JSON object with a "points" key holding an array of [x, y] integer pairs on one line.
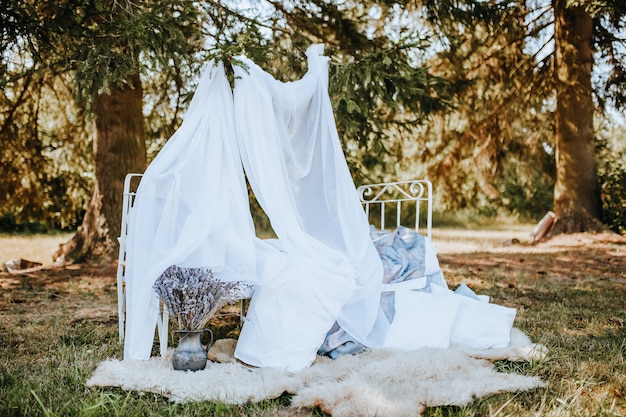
{"points": [[378, 382]]}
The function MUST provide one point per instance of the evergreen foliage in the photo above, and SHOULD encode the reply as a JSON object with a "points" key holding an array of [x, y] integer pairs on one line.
{"points": [[457, 91], [56, 57], [612, 175]]}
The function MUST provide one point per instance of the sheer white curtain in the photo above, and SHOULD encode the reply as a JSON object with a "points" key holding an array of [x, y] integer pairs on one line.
{"points": [[191, 209], [324, 266]]}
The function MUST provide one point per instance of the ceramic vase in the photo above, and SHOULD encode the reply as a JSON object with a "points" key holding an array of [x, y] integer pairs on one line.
{"points": [[190, 355]]}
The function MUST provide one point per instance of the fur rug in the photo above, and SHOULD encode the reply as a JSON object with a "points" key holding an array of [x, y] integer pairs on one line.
{"points": [[376, 382]]}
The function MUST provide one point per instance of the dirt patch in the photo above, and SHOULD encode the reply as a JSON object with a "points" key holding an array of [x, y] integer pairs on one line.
{"points": [[82, 292], [570, 257], [88, 292]]}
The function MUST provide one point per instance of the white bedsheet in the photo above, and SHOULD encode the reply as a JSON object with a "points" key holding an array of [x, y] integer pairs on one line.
{"points": [[296, 167], [192, 210]]}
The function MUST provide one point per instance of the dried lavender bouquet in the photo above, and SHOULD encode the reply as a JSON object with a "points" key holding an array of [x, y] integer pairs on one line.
{"points": [[193, 295]]}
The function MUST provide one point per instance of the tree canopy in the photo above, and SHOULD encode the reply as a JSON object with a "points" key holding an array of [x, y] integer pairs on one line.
{"points": [[463, 92]]}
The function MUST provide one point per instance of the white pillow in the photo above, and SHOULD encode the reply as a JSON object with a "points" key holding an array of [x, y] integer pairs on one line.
{"points": [[422, 320], [480, 325]]}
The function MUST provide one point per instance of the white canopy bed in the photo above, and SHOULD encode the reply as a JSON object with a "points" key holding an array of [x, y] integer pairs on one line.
{"points": [[329, 282]]}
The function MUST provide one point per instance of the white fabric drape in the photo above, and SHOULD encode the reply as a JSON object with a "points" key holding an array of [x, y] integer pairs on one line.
{"points": [[191, 209], [296, 167]]}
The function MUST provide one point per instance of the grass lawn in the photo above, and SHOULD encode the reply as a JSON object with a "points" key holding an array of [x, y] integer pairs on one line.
{"points": [[57, 324]]}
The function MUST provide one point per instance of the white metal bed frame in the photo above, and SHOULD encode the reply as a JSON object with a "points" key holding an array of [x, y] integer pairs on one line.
{"points": [[380, 202], [386, 196], [131, 182]]}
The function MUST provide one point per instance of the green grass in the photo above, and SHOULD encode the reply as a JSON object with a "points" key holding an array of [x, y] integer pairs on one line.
{"points": [[583, 326], [56, 327], [46, 361]]}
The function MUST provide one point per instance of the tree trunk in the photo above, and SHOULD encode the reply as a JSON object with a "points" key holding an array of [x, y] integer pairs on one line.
{"points": [[576, 192], [118, 148]]}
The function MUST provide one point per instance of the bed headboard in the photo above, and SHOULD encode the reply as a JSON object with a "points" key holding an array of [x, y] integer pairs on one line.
{"points": [[409, 203], [406, 203]]}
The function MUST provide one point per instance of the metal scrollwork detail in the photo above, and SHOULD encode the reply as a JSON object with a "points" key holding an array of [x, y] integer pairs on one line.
{"points": [[364, 192]]}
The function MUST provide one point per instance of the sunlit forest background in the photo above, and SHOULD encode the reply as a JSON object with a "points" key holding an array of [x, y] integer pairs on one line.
{"points": [[464, 93]]}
